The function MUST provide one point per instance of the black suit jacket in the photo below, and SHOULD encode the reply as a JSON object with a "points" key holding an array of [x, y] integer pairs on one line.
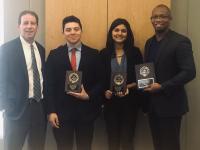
{"points": [[68, 107], [14, 80], [174, 67]]}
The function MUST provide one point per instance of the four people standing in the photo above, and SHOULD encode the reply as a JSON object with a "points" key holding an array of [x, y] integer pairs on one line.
{"points": [[70, 113]]}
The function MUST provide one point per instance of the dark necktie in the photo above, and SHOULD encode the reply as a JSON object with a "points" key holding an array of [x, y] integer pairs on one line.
{"points": [[73, 59], [36, 77]]}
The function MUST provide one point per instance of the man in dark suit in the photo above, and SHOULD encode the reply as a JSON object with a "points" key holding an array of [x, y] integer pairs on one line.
{"points": [[72, 113], [22, 62], [172, 56]]}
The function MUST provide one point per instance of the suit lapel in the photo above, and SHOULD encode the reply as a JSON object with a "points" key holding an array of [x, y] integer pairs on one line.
{"points": [[21, 58], [42, 55], [147, 48], [83, 57], [65, 57]]}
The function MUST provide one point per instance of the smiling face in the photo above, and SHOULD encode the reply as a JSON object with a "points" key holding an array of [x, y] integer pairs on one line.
{"points": [[72, 32], [28, 27], [160, 19], [119, 34]]}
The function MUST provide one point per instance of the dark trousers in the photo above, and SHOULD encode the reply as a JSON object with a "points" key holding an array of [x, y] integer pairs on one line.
{"points": [[82, 130], [31, 125], [165, 132], [120, 119]]}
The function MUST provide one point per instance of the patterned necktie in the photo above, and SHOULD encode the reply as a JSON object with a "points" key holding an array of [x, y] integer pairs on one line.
{"points": [[36, 77], [73, 59]]}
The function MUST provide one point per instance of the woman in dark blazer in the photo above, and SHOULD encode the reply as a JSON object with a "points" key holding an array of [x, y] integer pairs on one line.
{"points": [[121, 108]]}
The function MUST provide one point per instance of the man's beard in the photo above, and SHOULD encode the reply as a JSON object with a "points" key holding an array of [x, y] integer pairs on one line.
{"points": [[160, 31]]}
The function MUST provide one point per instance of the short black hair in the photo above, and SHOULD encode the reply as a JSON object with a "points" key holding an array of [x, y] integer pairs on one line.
{"points": [[166, 7], [28, 12], [71, 19], [128, 43]]}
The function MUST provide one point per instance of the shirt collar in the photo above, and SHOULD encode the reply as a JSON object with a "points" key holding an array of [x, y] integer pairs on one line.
{"points": [[26, 43], [77, 46]]}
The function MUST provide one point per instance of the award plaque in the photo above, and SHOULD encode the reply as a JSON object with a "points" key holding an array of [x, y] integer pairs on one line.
{"points": [[73, 81], [145, 75], [118, 82]]}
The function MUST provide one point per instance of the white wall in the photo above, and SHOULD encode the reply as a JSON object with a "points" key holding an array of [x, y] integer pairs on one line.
{"points": [[186, 14], [193, 118], [12, 8]]}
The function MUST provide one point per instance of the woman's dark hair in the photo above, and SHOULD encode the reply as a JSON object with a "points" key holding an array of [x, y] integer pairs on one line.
{"points": [[128, 43]]}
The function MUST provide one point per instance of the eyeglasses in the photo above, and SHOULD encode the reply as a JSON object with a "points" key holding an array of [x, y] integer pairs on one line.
{"points": [[161, 17]]}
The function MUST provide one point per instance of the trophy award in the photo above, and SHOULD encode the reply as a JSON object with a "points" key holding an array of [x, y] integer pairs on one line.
{"points": [[73, 81], [118, 82], [145, 75]]}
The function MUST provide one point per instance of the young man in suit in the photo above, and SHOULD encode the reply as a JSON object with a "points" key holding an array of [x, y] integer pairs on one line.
{"points": [[22, 98], [172, 56], [73, 113]]}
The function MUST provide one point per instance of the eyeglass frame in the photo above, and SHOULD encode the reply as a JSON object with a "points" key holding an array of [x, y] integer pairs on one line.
{"points": [[161, 17]]}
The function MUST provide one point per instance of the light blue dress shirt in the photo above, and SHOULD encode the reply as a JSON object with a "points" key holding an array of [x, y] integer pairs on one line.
{"points": [[78, 54]]}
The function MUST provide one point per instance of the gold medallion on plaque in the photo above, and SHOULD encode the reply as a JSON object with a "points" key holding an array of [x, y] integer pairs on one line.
{"points": [[118, 79], [73, 81], [73, 77], [118, 82]]}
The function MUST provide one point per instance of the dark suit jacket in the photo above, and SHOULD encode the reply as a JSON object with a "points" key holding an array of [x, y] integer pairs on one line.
{"points": [[174, 67], [133, 57], [68, 107], [14, 78]]}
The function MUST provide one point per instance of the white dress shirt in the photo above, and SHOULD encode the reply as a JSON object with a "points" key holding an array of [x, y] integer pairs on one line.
{"points": [[27, 53]]}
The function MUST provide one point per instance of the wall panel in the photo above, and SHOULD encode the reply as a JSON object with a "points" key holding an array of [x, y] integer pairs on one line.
{"points": [[138, 13], [11, 13], [91, 12], [193, 119], [38, 7], [96, 17]]}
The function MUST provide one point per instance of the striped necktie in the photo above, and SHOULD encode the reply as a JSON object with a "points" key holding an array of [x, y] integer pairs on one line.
{"points": [[36, 77]]}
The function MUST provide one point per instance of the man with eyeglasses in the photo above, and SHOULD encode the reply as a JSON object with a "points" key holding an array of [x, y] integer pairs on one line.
{"points": [[172, 56]]}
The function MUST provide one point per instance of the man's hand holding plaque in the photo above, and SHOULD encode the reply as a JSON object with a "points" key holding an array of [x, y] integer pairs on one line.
{"points": [[73, 85], [82, 95], [153, 88], [145, 75]]}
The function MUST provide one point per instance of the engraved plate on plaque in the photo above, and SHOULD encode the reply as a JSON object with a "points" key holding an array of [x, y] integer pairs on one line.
{"points": [[145, 75]]}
